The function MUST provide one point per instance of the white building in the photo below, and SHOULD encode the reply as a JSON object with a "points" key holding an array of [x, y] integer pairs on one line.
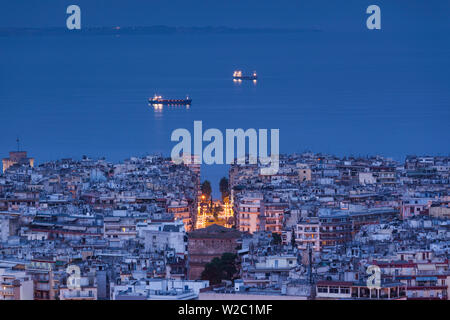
{"points": [[158, 289], [165, 236]]}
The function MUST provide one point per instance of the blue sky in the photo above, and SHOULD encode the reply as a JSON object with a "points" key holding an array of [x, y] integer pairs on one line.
{"points": [[403, 15]]}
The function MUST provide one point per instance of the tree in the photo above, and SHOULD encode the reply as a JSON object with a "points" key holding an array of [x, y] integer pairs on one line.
{"points": [[213, 271], [293, 243], [224, 187], [276, 238], [216, 210], [206, 188], [223, 268], [229, 265]]}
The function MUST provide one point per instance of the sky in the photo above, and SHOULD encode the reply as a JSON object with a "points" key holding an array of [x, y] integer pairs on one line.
{"points": [[348, 15]]}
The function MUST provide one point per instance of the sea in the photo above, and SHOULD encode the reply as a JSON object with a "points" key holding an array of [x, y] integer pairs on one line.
{"points": [[344, 93]]}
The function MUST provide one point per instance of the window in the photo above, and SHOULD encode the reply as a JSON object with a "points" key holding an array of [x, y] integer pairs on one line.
{"points": [[322, 289], [334, 289], [345, 290]]}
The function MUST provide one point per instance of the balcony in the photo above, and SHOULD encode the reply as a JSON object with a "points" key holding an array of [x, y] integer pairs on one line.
{"points": [[78, 295]]}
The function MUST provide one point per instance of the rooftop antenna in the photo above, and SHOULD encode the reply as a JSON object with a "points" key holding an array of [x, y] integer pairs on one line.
{"points": [[18, 144]]}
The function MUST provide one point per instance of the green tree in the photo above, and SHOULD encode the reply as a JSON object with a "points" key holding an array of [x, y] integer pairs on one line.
{"points": [[216, 210], [223, 268], [293, 243], [213, 271], [224, 187], [206, 188], [229, 265], [276, 239]]}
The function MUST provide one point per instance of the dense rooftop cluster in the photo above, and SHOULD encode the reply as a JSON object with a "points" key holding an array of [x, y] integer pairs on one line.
{"points": [[331, 218], [91, 229], [110, 220]]}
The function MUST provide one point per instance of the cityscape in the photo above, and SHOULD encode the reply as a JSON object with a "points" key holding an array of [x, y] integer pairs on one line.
{"points": [[149, 229]]}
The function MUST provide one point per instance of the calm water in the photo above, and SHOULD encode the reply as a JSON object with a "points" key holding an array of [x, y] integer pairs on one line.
{"points": [[342, 93]]}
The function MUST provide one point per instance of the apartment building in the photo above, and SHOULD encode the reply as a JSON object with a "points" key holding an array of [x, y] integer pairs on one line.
{"points": [[249, 213], [307, 233], [346, 290], [15, 285]]}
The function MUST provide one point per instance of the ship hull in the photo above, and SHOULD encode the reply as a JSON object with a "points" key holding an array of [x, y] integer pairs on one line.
{"points": [[167, 102], [245, 78]]}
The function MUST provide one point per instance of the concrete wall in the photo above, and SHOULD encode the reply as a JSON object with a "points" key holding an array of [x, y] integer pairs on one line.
{"points": [[237, 297]]}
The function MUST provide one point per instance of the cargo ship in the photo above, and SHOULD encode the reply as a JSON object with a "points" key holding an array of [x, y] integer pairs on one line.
{"points": [[158, 100], [238, 76]]}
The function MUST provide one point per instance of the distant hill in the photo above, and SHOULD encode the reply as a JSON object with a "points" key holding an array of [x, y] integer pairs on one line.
{"points": [[145, 30]]}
